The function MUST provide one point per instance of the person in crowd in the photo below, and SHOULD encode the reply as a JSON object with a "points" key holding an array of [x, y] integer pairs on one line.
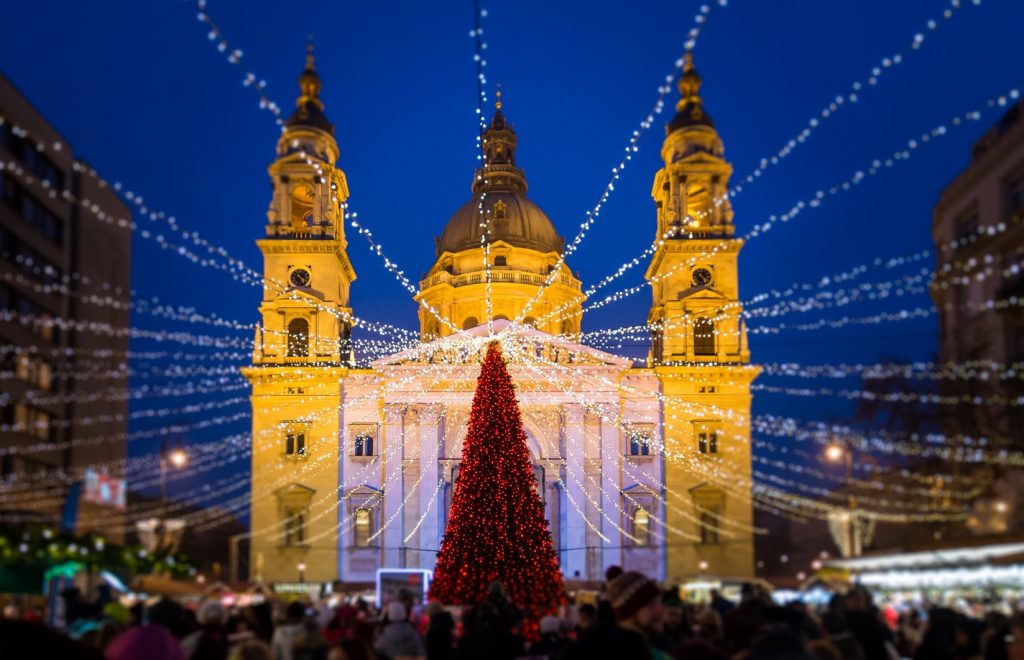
{"points": [[586, 617], [399, 638], [635, 602], [210, 640], [171, 615], [939, 641], [146, 642], [867, 625], [676, 628], [251, 649], [340, 626], [352, 649], [310, 645], [552, 642], [720, 604], [440, 638], [489, 627], [285, 635], [742, 621]]}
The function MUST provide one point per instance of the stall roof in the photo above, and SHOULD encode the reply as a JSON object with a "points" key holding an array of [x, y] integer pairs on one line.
{"points": [[977, 553]]}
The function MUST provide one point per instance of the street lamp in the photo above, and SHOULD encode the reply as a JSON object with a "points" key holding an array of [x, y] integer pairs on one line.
{"points": [[834, 453], [178, 458], [302, 571]]}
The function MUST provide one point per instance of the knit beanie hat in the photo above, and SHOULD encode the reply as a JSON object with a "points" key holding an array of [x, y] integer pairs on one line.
{"points": [[629, 592]]}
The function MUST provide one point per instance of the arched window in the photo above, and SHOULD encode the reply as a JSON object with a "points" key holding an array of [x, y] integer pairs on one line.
{"points": [[363, 528], [499, 210], [470, 322], [298, 338], [500, 317], [642, 526], [530, 321], [704, 337]]}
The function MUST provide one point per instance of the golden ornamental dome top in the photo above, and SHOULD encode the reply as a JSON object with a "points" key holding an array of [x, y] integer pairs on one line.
{"points": [[690, 108], [309, 109]]}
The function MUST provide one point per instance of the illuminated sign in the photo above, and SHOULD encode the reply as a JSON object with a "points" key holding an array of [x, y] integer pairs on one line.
{"points": [[104, 489]]}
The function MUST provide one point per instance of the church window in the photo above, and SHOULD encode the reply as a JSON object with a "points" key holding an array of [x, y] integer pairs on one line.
{"points": [[470, 322], [364, 439], [499, 210], [642, 526], [709, 528], [704, 337], [363, 528], [295, 442], [639, 443], [707, 437], [501, 261], [294, 525], [364, 444], [530, 321], [298, 338]]}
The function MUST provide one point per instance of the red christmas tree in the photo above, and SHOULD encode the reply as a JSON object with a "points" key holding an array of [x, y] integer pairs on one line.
{"points": [[497, 529]]}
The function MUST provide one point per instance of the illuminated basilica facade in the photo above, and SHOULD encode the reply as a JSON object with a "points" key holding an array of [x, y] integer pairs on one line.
{"points": [[646, 466]]}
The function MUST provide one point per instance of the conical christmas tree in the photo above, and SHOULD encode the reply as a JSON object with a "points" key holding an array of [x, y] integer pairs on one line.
{"points": [[497, 529]]}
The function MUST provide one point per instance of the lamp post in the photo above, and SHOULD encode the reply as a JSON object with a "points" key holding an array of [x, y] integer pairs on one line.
{"points": [[834, 453], [302, 571], [177, 457]]}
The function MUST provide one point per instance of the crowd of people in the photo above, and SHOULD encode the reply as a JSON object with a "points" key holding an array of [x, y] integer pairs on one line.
{"points": [[631, 618]]}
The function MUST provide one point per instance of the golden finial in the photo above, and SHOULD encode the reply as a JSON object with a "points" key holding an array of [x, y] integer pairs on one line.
{"points": [[310, 47], [309, 81], [689, 82], [497, 104]]}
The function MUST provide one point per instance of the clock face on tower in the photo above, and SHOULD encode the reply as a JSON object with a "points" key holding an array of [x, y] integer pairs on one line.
{"points": [[300, 277], [701, 277]]}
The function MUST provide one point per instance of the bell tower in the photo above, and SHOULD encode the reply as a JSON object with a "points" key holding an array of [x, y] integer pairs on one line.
{"points": [[699, 348], [302, 350]]}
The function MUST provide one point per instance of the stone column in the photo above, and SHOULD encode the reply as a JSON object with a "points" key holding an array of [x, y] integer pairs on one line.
{"points": [[391, 539], [611, 471], [429, 538], [575, 557]]}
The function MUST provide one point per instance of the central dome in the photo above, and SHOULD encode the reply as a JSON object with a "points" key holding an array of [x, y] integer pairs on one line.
{"points": [[500, 186], [512, 218]]}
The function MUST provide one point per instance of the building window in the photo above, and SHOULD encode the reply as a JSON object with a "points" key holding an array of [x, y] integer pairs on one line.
{"points": [[639, 443], [294, 526], [966, 226], [499, 210], [470, 322], [704, 337], [707, 438], [31, 210], [364, 439], [298, 338], [708, 528], [295, 443], [642, 526], [1015, 196], [501, 261], [363, 528], [364, 444], [32, 421]]}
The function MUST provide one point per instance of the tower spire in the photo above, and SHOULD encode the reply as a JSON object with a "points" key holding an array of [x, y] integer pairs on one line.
{"points": [[309, 81]]}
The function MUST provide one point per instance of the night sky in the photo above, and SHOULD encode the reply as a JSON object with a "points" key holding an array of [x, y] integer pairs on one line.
{"points": [[140, 93]]}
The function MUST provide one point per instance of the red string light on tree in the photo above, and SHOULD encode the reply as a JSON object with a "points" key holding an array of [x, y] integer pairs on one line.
{"points": [[497, 529]]}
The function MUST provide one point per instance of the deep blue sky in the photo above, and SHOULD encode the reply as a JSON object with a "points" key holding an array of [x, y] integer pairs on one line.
{"points": [[142, 94]]}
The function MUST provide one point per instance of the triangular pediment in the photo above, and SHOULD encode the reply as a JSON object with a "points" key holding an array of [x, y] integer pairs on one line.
{"points": [[702, 292], [472, 342]]}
